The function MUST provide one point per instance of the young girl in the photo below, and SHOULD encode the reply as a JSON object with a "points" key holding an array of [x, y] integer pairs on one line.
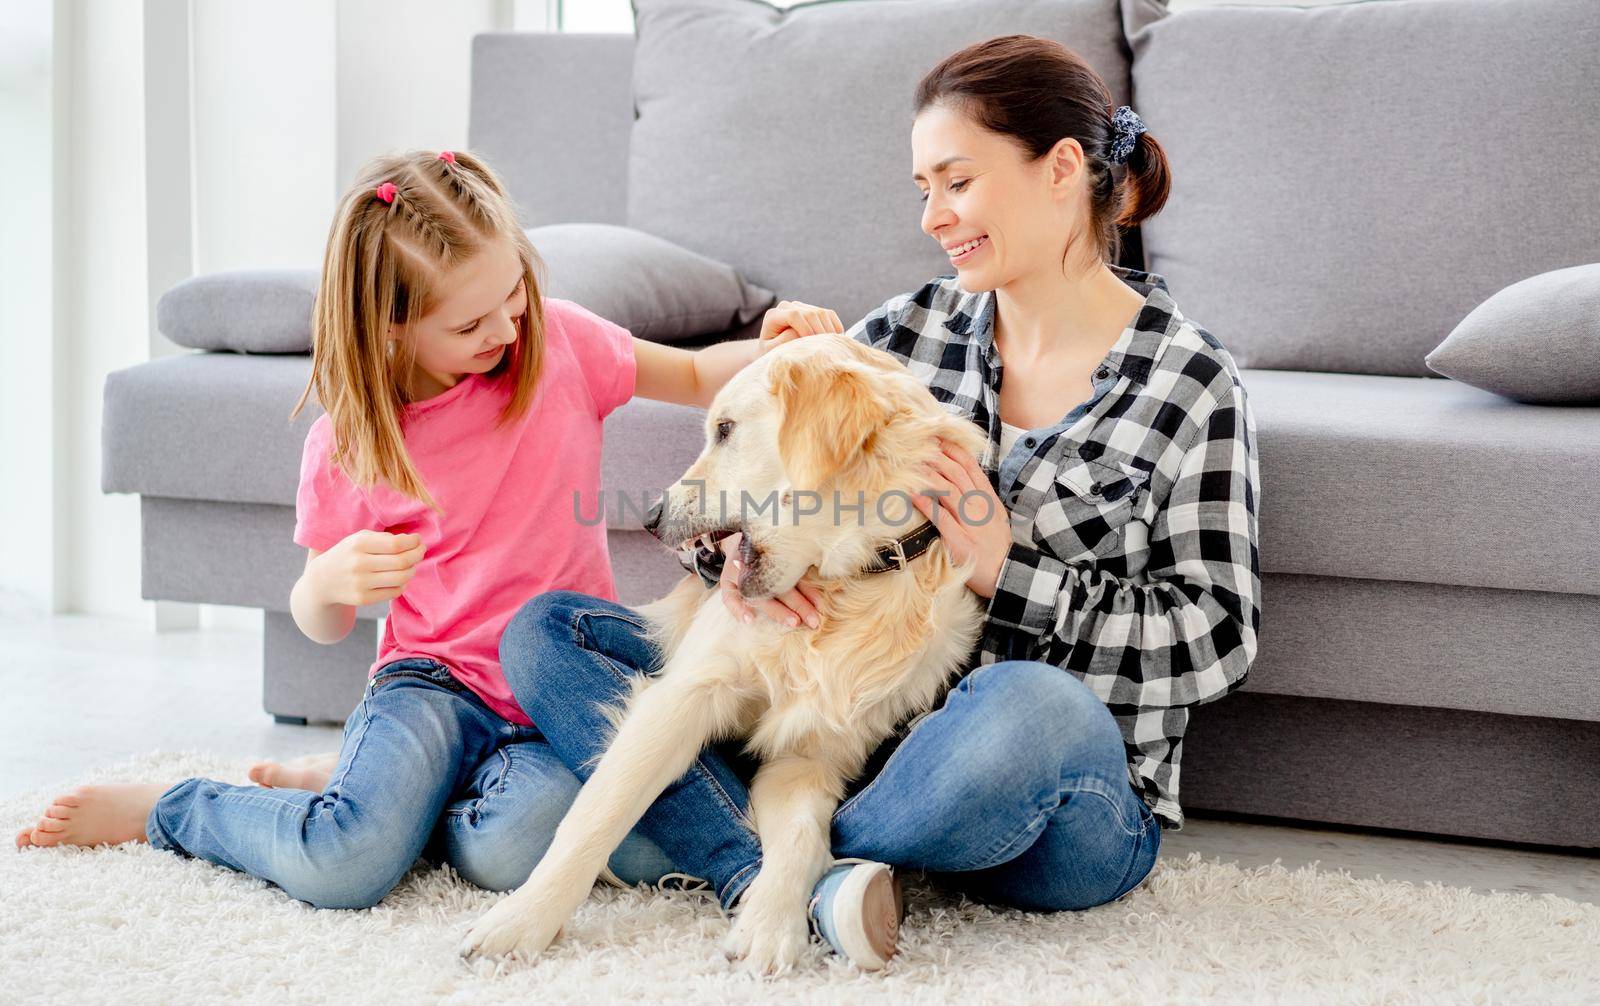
{"points": [[464, 411]]}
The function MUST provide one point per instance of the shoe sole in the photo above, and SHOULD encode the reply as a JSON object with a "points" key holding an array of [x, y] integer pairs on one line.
{"points": [[872, 938]]}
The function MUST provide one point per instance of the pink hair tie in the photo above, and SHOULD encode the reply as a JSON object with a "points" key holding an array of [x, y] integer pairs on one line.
{"points": [[445, 155], [386, 192]]}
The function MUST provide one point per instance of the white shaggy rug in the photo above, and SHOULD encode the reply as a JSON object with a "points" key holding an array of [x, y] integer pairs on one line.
{"points": [[134, 925]]}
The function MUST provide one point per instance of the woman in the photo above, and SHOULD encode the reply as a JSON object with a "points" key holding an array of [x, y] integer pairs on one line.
{"points": [[1123, 589]]}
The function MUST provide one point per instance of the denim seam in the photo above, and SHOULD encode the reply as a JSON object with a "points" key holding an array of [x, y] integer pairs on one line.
{"points": [[727, 801], [1031, 831], [1123, 887], [625, 680], [361, 735], [475, 808], [1044, 813], [1136, 832]]}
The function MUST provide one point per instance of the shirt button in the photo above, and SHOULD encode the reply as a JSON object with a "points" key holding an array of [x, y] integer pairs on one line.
{"points": [[1100, 374], [1029, 442], [1095, 488]]}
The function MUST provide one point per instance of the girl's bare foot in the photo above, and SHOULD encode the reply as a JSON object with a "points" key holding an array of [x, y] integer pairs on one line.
{"points": [[307, 772], [94, 815]]}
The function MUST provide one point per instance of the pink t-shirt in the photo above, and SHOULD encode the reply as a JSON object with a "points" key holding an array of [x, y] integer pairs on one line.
{"points": [[508, 532]]}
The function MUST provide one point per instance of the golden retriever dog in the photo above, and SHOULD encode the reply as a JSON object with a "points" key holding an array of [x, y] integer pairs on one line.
{"points": [[815, 420]]}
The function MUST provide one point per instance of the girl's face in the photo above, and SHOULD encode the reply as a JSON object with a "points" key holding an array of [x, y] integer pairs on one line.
{"points": [[979, 186], [478, 316]]}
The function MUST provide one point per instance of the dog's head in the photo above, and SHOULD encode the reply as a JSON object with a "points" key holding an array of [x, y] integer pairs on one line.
{"points": [[794, 442]]}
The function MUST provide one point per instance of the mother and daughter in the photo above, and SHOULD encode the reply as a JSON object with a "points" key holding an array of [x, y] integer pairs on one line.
{"points": [[464, 411]]}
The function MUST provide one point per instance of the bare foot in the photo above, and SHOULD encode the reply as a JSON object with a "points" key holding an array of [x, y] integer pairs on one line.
{"points": [[94, 815], [306, 772]]}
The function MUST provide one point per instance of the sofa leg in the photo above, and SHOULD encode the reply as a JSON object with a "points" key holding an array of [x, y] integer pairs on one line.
{"points": [[307, 682], [294, 721]]}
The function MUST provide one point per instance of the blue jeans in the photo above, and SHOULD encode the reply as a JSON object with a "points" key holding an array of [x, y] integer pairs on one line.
{"points": [[425, 769], [1014, 791]]}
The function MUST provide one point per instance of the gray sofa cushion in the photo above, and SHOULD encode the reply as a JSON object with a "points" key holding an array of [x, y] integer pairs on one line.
{"points": [[1537, 341], [779, 142], [242, 310], [1350, 180], [649, 286], [1408, 478]]}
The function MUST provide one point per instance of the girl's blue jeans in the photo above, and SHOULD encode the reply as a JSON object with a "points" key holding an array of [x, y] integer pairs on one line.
{"points": [[426, 769], [1015, 790]]}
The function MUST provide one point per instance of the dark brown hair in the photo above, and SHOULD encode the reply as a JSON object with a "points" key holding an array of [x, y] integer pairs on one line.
{"points": [[1037, 92]]}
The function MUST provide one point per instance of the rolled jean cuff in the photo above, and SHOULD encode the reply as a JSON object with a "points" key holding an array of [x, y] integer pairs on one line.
{"points": [[157, 836], [729, 895]]}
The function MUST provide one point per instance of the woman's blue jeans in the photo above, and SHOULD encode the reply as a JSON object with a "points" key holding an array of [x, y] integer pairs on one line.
{"points": [[1015, 790], [426, 769]]}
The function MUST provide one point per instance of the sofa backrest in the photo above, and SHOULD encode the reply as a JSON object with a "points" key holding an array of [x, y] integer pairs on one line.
{"points": [[551, 113], [1350, 181], [778, 142]]}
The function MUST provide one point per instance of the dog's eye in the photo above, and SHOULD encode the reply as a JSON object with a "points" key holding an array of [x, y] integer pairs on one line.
{"points": [[724, 427]]}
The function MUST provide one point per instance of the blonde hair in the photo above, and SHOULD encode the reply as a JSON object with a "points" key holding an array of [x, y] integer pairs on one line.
{"points": [[384, 265]]}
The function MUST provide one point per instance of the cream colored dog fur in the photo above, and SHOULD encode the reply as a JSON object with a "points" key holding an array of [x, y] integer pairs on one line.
{"points": [[822, 413]]}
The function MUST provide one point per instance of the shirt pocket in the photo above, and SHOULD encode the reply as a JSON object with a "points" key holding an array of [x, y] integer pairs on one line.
{"points": [[1087, 508]]}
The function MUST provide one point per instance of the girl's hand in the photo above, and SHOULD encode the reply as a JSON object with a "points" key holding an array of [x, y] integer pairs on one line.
{"points": [[368, 567], [791, 320], [791, 608], [985, 533]]}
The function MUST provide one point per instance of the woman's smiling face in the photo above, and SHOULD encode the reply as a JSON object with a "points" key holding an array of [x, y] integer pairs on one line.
{"points": [[979, 186]]}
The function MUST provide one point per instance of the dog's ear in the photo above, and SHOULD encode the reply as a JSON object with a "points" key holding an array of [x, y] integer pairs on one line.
{"points": [[828, 415]]}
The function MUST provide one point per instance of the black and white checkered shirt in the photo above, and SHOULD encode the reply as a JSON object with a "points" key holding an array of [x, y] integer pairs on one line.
{"points": [[1134, 556]]}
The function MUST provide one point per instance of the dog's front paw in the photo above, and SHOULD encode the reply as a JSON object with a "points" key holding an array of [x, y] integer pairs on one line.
{"points": [[519, 921], [769, 942]]}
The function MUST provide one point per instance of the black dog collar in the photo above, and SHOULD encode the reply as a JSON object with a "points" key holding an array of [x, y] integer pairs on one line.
{"points": [[899, 553]]}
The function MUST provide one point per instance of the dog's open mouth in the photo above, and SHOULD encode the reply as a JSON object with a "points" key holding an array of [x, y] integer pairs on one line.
{"points": [[709, 539]]}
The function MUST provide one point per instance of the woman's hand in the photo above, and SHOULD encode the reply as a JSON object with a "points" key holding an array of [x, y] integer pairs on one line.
{"points": [[971, 519], [790, 608], [791, 320], [368, 567]]}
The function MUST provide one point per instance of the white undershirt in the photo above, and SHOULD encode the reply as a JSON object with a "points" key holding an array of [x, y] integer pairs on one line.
{"points": [[1008, 436]]}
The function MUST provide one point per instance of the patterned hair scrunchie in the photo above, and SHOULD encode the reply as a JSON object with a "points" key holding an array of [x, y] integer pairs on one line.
{"points": [[1127, 126]]}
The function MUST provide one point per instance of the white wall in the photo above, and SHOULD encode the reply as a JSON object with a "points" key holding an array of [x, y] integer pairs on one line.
{"points": [[405, 81], [27, 312], [264, 136], [99, 300]]}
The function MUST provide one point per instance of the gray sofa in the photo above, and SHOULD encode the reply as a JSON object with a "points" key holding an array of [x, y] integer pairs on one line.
{"points": [[1343, 194]]}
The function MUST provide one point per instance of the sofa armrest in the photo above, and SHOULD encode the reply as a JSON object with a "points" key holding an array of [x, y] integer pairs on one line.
{"points": [[551, 113]]}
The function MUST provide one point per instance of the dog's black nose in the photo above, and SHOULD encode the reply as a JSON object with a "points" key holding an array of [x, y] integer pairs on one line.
{"points": [[652, 516]]}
